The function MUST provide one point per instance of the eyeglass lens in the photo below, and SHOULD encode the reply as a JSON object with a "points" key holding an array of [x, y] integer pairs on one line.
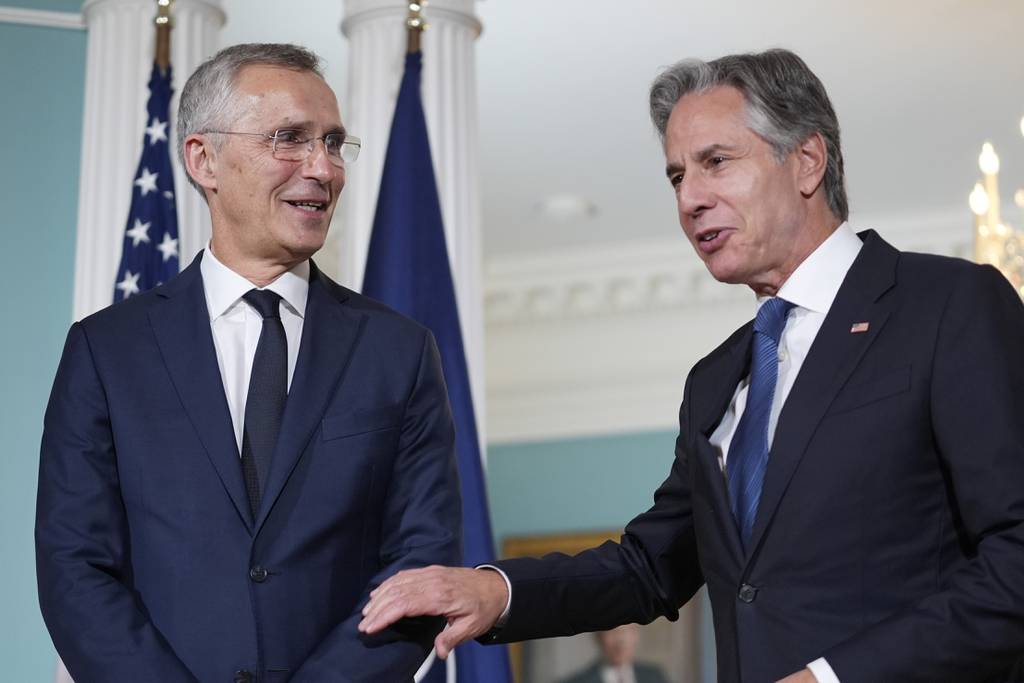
{"points": [[293, 146]]}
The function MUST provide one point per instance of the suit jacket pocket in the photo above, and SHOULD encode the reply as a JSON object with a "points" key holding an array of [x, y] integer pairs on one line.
{"points": [[357, 422], [861, 393]]}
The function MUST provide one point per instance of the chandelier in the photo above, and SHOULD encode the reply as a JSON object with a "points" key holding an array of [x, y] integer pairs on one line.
{"points": [[995, 241]]}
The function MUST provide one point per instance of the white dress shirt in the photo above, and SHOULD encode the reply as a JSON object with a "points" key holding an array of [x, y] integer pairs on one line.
{"points": [[236, 326], [811, 288]]}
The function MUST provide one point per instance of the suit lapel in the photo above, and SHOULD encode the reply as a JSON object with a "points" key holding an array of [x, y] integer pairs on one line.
{"points": [[330, 332], [182, 326], [832, 358], [713, 388]]}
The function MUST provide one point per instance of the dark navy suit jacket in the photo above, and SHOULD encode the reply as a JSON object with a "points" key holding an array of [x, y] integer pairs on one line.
{"points": [[890, 533], [150, 564]]}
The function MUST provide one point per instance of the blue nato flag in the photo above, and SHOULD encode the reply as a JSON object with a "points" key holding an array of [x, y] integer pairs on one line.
{"points": [[407, 268]]}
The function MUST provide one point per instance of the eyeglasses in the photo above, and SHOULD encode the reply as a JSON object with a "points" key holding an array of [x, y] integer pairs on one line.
{"points": [[293, 145]]}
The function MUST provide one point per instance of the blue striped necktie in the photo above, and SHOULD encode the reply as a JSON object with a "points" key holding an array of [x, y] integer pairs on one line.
{"points": [[748, 451]]}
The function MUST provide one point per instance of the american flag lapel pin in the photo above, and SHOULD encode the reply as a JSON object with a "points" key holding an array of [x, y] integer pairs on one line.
{"points": [[857, 328]]}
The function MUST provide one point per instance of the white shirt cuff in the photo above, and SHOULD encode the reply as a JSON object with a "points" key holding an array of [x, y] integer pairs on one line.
{"points": [[822, 671], [503, 619]]}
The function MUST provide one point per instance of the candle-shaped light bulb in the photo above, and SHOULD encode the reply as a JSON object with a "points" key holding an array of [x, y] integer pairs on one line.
{"points": [[1022, 125], [978, 200], [988, 161]]}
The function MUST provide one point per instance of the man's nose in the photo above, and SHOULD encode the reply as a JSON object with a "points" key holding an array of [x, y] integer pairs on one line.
{"points": [[693, 195], [317, 164]]}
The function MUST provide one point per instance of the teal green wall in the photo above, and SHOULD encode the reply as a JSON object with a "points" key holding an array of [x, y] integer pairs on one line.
{"points": [[41, 76], [591, 483]]}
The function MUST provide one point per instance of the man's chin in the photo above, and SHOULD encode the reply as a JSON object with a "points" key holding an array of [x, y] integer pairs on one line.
{"points": [[304, 251], [725, 273], [306, 240]]}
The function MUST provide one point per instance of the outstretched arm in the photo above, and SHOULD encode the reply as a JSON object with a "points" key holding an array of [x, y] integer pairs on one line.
{"points": [[650, 573]]}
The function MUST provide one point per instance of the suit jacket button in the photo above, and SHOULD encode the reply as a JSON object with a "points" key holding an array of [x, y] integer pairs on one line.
{"points": [[242, 676], [747, 593], [258, 574]]}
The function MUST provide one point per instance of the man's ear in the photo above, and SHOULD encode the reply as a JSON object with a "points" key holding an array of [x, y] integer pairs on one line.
{"points": [[201, 161], [812, 158]]}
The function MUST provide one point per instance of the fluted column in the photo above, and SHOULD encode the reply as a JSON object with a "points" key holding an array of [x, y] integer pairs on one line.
{"points": [[377, 46], [119, 58]]}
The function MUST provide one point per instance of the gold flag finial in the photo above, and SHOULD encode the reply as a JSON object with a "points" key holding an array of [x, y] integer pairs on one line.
{"points": [[415, 25], [164, 24]]}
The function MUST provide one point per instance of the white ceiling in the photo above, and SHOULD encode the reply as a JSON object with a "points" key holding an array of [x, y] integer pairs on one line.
{"points": [[918, 86]]}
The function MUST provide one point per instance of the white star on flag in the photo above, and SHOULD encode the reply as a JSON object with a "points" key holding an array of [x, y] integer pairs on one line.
{"points": [[169, 247], [139, 232], [147, 181], [157, 131], [130, 284]]}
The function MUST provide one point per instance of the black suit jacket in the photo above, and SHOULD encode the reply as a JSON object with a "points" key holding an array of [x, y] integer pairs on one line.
{"points": [[890, 533], [151, 566]]}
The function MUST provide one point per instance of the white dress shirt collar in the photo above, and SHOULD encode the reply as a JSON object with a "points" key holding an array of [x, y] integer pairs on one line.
{"points": [[224, 287], [815, 282], [617, 674]]}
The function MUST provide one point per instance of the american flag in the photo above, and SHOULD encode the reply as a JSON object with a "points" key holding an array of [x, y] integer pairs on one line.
{"points": [[149, 255]]}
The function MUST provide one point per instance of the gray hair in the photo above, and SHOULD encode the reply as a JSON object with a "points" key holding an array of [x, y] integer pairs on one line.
{"points": [[208, 98], [786, 104]]}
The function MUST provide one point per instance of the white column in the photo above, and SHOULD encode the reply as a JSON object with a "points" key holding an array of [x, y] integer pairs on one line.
{"points": [[119, 58], [377, 37]]}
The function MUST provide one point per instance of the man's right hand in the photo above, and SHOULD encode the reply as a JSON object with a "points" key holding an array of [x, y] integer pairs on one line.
{"points": [[471, 599]]}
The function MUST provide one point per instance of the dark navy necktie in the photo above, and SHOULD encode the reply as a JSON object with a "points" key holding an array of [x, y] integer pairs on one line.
{"points": [[748, 451], [268, 389]]}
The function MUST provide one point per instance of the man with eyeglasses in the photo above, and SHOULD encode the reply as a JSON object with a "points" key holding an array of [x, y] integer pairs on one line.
{"points": [[232, 461]]}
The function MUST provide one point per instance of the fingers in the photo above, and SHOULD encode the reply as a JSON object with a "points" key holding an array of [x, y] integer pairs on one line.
{"points": [[442, 645], [471, 600], [392, 600], [410, 593]]}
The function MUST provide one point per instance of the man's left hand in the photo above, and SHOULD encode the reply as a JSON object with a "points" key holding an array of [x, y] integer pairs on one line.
{"points": [[802, 676]]}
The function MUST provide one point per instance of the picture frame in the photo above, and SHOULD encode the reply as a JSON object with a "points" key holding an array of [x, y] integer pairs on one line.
{"points": [[676, 648]]}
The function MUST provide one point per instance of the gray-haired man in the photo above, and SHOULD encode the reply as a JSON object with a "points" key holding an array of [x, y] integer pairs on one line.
{"points": [[232, 460], [849, 472]]}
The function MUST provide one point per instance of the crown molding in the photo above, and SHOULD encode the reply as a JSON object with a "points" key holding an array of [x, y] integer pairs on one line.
{"points": [[612, 279], [39, 17], [596, 281]]}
